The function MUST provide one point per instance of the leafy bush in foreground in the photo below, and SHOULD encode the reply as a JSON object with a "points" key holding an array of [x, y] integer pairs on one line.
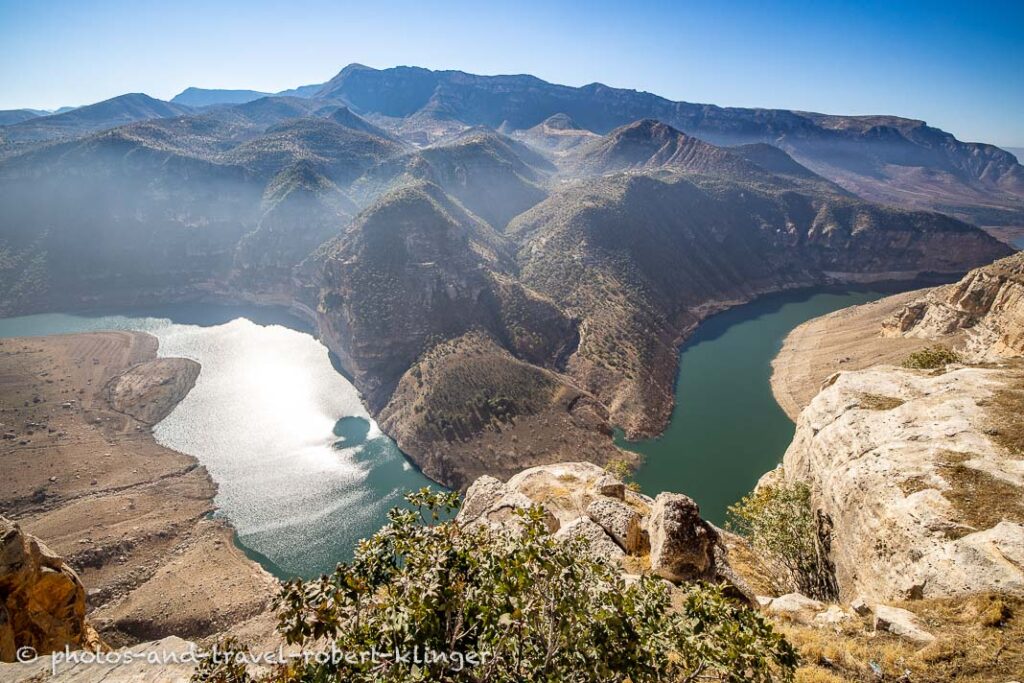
{"points": [[525, 606]]}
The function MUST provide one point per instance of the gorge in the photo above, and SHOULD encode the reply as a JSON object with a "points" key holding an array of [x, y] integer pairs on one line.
{"points": [[405, 277]]}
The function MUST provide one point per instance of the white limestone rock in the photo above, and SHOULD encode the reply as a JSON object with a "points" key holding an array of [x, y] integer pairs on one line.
{"points": [[621, 522], [601, 544], [888, 480], [902, 623]]}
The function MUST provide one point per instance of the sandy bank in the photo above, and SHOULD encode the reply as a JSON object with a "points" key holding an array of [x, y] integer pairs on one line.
{"points": [[848, 339], [82, 471]]}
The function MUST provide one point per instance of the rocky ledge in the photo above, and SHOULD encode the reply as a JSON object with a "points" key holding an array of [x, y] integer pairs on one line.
{"points": [[983, 312], [918, 473], [664, 536]]}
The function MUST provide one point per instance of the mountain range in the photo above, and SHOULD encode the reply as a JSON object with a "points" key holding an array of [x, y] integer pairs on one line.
{"points": [[883, 158], [503, 266]]}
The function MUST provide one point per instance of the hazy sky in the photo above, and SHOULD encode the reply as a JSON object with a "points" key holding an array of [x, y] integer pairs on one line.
{"points": [[958, 65]]}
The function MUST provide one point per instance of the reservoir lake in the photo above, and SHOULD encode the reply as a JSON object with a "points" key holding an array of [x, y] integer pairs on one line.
{"points": [[726, 429], [303, 471]]}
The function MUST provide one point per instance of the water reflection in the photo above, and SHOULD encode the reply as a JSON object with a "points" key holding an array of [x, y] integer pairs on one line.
{"points": [[302, 470]]}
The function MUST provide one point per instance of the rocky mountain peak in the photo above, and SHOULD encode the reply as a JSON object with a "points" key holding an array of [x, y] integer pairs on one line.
{"points": [[560, 122]]}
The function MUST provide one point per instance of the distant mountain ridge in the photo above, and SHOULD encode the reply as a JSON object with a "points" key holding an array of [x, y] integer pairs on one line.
{"points": [[204, 97], [93, 117], [883, 158]]}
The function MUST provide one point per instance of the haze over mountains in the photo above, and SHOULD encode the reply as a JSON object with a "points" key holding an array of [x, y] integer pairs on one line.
{"points": [[504, 266]]}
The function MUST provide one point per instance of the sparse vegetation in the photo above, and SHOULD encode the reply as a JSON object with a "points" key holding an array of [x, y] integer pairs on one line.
{"points": [[622, 470], [525, 606], [780, 520], [931, 358], [980, 639], [981, 499], [1006, 426], [879, 402]]}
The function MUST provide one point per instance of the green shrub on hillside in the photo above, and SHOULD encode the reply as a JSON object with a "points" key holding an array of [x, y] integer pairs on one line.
{"points": [[931, 358], [780, 520], [622, 470], [522, 605]]}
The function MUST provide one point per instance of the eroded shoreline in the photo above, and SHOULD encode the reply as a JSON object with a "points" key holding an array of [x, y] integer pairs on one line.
{"points": [[131, 516]]}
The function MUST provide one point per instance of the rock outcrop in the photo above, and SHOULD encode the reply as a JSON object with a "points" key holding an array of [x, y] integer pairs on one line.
{"points": [[918, 474], [150, 390], [664, 536], [42, 600], [983, 312], [682, 544], [901, 622]]}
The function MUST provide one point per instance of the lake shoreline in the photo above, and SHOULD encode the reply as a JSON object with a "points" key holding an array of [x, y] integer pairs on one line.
{"points": [[725, 412], [131, 515]]}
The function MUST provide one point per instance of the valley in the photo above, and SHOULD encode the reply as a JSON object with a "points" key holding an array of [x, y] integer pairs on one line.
{"points": [[237, 327]]}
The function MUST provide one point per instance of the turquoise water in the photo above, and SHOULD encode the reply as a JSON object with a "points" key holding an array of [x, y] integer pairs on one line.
{"points": [[302, 470], [726, 429]]}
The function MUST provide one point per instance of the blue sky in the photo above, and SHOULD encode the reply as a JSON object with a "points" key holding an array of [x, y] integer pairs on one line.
{"points": [[957, 65]]}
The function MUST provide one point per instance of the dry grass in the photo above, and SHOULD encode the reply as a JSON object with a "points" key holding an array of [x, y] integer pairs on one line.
{"points": [[637, 564], [979, 638], [1005, 415], [912, 485], [879, 402], [980, 499]]}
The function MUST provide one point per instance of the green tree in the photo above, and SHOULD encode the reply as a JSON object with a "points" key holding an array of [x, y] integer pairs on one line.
{"points": [[527, 606], [780, 520]]}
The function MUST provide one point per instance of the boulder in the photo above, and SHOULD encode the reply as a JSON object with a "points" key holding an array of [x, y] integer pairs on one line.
{"points": [[860, 606], [582, 499], [490, 502], [795, 607], [621, 522], [565, 489], [42, 600], [834, 615], [482, 494], [682, 544], [902, 623], [611, 487], [601, 544]]}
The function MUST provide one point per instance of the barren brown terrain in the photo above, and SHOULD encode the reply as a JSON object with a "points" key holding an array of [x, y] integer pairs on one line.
{"points": [[848, 339], [83, 472]]}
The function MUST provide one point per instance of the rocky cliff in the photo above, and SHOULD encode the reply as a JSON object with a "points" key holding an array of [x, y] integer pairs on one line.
{"points": [[984, 311], [919, 469], [920, 473], [42, 600], [664, 536]]}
